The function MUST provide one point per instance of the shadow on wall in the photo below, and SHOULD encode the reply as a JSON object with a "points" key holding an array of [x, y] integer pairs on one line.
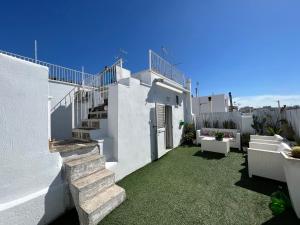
{"points": [[61, 122], [57, 200], [163, 96]]}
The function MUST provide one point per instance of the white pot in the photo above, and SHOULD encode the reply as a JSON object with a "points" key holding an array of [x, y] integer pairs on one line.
{"points": [[292, 174]]}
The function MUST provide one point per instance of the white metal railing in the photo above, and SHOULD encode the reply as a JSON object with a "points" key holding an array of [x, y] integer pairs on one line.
{"points": [[163, 67], [91, 93], [94, 92], [56, 72]]}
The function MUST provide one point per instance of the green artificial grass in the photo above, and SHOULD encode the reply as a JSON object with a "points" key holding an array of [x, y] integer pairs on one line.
{"points": [[187, 186]]}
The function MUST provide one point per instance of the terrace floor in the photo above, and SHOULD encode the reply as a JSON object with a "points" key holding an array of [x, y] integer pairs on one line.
{"points": [[190, 187]]}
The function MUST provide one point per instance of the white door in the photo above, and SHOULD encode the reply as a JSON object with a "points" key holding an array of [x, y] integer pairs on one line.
{"points": [[160, 129]]}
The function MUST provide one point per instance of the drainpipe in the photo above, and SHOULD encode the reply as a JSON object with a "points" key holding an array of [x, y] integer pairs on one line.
{"points": [[188, 97]]}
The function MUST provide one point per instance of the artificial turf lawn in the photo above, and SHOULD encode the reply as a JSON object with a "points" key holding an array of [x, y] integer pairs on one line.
{"points": [[189, 187]]}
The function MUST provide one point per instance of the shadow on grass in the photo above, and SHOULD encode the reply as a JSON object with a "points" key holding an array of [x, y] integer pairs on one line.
{"points": [[288, 217], [209, 155], [258, 184], [267, 187], [69, 218]]}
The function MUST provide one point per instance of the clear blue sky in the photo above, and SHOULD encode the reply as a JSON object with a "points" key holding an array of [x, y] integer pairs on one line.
{"points": [[249, 47]]}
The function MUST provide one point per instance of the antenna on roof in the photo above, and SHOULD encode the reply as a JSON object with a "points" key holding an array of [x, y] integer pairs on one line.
{"points": [[164, 52], [197, 88], [35, 50], [121, 55]]}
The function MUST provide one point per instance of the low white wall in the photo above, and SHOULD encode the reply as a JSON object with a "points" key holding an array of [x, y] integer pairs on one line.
{"points": [[131, 128], [31, 188]]}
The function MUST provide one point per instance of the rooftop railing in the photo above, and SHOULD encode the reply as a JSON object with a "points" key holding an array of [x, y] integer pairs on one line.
{"points": [[58, 73], [163, 67]]}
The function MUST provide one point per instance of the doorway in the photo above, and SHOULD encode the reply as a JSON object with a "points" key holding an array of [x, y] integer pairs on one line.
{"points": [[169, 126]]}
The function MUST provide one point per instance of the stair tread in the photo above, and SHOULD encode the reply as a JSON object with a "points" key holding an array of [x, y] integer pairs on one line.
{"points": [[93, 119], [100, 199], [85, 181], [84, 129], [84, 159]]}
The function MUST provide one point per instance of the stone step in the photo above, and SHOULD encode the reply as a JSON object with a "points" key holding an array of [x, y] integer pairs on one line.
{"points": [[102, 204], [84, 166], [97, 115], [90, 123], [79, 150], [87, 187], [85, 134]]}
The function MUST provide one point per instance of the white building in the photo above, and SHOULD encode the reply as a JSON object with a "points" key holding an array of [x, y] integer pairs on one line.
{"points": [[213, 103], [136, 116]]}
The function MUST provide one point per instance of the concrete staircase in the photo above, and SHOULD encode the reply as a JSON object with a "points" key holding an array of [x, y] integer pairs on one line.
{"points": [[94, 126], [93, 187]]}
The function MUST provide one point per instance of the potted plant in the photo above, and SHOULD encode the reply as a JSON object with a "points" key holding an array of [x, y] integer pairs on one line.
{"points": [[245, 141], [219, 136], [189, 134], [291, 165]]}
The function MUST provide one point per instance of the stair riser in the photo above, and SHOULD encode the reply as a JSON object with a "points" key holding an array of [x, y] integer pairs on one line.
{"points": [[84, 169], [68, 156], [95, 188], [95, 217], [102, 115], [90, 124], [81, 135]]}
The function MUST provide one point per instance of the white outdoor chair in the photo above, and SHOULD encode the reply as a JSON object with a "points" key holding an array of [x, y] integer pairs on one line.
{"points": [[265, 160]]}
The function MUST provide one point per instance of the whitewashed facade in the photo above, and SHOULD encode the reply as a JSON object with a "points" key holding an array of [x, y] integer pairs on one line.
{"points": [[144, 113]]}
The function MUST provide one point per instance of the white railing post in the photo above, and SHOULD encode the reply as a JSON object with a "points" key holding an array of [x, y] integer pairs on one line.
{"points": [[82, 75], [150, 66]]}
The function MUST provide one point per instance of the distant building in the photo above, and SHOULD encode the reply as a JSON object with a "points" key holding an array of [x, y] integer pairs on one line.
{"points": [[246, 109], [213, 103]]}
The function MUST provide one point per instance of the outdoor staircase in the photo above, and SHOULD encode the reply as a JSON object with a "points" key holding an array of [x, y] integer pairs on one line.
{"points": [[93, 187], [90, 128]]}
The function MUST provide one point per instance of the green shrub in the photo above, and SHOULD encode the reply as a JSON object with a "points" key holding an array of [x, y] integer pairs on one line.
{"points": [[219, 136], [273, 130], [296, 152], [206, 124], [229, 124], [216, 124], [232, 124], [189, 134], [287, 130], [226, 124], [258, 124], [280, 202]]}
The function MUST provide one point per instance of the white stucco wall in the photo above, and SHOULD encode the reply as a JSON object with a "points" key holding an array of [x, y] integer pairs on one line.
{"points": [[132, 132], [61, 117], [31, 188]]}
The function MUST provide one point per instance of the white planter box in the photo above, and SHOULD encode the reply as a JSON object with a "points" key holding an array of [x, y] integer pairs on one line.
{"points": [[292, 173], [211, 145]]}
